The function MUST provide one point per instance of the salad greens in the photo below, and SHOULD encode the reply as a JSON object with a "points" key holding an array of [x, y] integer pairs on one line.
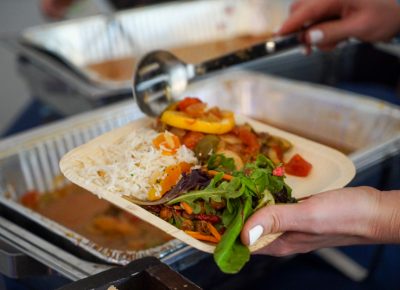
{"points": [[251, 188]]}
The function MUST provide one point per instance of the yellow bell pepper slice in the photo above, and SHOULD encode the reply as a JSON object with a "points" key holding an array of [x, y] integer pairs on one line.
{"points": [[181, 120]]}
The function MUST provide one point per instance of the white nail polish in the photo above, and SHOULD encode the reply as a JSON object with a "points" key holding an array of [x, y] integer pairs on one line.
{"points": [[255, 233], [316, 36]]}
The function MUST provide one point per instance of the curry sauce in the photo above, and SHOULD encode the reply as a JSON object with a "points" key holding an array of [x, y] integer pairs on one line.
{"points": [[95, 219]]}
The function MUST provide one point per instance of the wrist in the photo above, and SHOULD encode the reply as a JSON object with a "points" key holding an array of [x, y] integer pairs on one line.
{"points": [[385, 224]]}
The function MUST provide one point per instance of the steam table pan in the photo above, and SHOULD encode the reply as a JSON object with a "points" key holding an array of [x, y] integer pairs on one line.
{"points": [[366, 129]]}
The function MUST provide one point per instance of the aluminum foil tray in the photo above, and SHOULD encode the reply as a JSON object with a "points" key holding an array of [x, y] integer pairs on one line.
{"points": [[368, 130], [32, 164], [133, 32]]}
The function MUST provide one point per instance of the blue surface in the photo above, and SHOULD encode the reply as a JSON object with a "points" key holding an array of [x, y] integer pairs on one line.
{"points": [[371, 89], [303, 272], [35, 114]]}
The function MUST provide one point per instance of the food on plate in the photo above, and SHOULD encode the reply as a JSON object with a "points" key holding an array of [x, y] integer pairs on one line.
{"points": [[200, 171], [95, 219], [298, 166]]}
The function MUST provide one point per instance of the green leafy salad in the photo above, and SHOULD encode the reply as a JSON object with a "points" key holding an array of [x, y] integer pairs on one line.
{"points": [[213, 204]]}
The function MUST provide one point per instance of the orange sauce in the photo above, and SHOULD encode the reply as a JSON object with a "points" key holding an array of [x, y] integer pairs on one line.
{"points": [[96, 219]]}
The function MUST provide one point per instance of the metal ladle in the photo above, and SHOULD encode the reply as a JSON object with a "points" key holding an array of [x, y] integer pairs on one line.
{"points": [[160, 76]]}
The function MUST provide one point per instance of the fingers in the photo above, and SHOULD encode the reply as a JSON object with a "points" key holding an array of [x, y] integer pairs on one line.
{"points": [[295, 243], [305, 12], [329, 34], [295, 5], [275, 219], [291, 243], [317, 215]]}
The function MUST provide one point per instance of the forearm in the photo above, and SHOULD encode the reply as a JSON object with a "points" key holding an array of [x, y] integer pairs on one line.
{"points": [[364, 212]]}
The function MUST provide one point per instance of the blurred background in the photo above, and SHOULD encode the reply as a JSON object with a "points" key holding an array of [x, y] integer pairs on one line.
{"points": [[16, 16]]}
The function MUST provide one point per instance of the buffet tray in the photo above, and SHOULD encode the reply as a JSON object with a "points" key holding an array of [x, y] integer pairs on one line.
{"points": [[35, 162], [128, 34], [366, 129], [196, 30]]}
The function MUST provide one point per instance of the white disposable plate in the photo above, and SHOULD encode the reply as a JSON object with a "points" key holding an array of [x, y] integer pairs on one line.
{"points": [[331, 169]]}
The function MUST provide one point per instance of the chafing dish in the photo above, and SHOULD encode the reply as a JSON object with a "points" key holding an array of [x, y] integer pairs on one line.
{"points": [[79, 64]]}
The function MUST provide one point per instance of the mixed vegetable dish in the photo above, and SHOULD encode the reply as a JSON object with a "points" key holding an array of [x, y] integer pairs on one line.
{"points": [[238, 171]]}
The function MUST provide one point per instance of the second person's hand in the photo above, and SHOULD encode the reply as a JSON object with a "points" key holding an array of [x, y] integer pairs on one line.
{"points": [[338, 20]]}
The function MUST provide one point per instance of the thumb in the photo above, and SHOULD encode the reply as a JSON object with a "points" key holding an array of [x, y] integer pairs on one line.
{"points": [[275, 219]]}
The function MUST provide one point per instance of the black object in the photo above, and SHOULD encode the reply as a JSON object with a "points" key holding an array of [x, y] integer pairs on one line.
{"points": [[147, 273], [267, 48]]}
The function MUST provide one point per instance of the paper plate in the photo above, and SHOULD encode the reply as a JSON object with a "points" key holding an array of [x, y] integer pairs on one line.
{"points": [[331, 169]]}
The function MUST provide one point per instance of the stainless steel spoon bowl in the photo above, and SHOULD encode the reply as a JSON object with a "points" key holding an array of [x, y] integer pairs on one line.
{"points": [[160, 76]]}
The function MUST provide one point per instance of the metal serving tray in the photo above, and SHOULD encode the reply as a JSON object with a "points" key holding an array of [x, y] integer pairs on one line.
{"points": [[131, 33], [52, 58], [36, 164], [29, 161], [368, 129]]}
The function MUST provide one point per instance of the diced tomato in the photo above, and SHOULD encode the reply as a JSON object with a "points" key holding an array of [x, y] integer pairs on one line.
{"points": [[191, 139], [297, 166], [248, 138], [30, 199], [186, 102]]}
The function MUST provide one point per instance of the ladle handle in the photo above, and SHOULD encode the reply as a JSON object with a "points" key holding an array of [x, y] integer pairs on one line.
{"points": [[269, 47]]}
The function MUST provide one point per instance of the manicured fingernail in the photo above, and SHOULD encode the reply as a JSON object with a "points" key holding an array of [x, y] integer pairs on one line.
{"points": [[316, 36], [255, 233]]}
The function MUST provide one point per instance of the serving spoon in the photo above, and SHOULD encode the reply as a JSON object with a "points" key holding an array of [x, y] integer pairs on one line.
{"points": [[160, 76]]}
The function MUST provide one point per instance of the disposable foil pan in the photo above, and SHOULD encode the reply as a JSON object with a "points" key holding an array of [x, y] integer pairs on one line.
{"points": [[32, 164], [367, 129], [134, 32]]}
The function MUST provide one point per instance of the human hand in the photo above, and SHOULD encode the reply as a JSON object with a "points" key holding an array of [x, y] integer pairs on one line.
{"points": [[55, 9], [338, 20], [348, 216]]}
